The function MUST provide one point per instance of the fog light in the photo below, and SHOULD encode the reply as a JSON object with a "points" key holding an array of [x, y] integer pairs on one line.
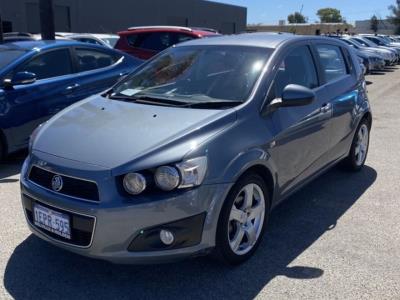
{"points": [[167, 237]]}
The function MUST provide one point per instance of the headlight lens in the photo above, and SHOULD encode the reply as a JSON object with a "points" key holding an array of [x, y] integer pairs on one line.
{"points": [[189, 173], [134, 183], [192, 171], [167, 178]]}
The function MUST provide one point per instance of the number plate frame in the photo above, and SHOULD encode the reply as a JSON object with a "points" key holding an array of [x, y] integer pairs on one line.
{"points": [[52, 221]]}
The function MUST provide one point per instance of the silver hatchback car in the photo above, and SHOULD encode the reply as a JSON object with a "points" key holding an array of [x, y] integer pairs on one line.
{"points": [[188, 154]]}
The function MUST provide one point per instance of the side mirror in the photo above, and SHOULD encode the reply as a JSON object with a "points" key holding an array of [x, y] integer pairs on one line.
{"points": [[292, 95], [20, 78]]}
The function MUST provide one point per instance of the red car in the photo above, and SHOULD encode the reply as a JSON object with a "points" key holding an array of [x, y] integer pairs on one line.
{"points": [[145, 42]]}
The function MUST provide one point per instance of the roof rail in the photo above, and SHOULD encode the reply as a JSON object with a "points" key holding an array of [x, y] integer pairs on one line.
{"points": [[205, 29], [13, 34], [161, 27]]}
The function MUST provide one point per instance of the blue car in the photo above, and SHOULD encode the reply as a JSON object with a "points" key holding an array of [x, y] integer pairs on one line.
{"points": [[40, 78]]}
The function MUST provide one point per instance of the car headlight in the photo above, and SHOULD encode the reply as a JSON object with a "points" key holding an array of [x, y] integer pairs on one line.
{"points": [[134, 183], [167, 178], [192, 171], [189, 173]]}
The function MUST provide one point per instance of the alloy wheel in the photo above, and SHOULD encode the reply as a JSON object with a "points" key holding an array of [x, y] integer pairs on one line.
{"points": [[361, 144], [246, 219]]}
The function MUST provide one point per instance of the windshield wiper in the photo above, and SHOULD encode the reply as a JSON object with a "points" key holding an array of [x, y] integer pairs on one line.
{"points": [[212, 104], [159, 100], [168, 101], [149, 99]]}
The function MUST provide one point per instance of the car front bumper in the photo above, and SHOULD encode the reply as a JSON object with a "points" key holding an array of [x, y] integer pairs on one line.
{"points": [[114, 226]]}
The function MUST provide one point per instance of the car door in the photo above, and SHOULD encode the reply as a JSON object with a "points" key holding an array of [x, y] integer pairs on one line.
{"points": [[32, 104], [97, 70], [340, 80], [301, 137]]}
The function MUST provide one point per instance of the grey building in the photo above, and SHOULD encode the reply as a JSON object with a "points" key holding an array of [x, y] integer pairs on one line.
{"points": [[108, 16], [384, 27]]}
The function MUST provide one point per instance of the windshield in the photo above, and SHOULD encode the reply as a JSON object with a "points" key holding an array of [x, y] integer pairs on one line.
{"points": [[365, 42], [198, 74], [370, 42], [351, 43], [7, 56], [111, 41]]}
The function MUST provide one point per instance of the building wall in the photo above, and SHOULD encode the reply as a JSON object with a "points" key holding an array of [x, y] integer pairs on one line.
{"points": [[303, 29], [384, 27], [111, 16]]}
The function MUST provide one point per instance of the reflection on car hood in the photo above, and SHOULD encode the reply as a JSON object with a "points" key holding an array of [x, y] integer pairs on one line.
{"points": [[112, 133]]}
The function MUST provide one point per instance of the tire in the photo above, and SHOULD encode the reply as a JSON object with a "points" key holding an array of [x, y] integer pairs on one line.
{"points": [[237, 241], [2, 150], [359, 148]]}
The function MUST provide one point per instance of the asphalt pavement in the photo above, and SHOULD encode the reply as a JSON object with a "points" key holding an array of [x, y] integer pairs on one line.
{"points": [[338, 238]]}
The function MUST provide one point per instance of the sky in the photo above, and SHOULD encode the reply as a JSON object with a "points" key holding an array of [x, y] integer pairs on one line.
{"points": [[271, 11]]}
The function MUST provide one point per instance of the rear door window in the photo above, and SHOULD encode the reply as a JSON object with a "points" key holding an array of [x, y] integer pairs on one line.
{"points": [[90, 59], [332, 61], [180, 38], [156, 41], [50, 64]]}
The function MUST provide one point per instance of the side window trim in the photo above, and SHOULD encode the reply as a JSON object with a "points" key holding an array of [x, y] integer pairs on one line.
{"points": [[13, 72], [84, 47], [347, 59]]}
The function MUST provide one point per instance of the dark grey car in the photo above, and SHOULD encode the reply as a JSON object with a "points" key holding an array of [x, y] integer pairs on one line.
{"points": [[189, 154]]}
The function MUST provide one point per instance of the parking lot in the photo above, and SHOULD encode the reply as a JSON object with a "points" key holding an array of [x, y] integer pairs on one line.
{"points": [[337, 238]]}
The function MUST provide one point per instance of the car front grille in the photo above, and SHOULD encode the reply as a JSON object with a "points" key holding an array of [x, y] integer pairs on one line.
{"points": [[74, 187]]}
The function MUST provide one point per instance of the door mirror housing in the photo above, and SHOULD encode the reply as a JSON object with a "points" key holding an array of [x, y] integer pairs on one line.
{"points": [[292, 95], [297, 95], [20, 78]]}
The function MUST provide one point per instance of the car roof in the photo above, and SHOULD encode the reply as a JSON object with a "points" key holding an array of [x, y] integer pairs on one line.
{"points": [[258, 39], [42, 44], [163, 28], [96, 35]]}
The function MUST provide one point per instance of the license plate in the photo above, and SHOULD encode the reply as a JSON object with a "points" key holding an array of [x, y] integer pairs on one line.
{"points": [[52, 221]]}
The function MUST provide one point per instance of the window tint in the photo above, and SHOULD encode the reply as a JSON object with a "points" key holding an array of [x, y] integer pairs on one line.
{"points": [[132, 39], [156, 41], [50, 64], [332, 61], [296, 68], [89, 59], [180, 38]]}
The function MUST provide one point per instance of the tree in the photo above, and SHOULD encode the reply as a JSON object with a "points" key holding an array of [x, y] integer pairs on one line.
{"points": [[296, 18], [395, 17], [330, 15], [374, 24]]}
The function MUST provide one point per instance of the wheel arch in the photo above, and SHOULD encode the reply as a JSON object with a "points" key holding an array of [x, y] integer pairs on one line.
{"points": [[265, 173], [367, 116]]}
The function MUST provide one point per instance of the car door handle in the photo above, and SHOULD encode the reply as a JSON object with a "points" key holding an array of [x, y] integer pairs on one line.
{"points": [[72, 87], [327, 107]]}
